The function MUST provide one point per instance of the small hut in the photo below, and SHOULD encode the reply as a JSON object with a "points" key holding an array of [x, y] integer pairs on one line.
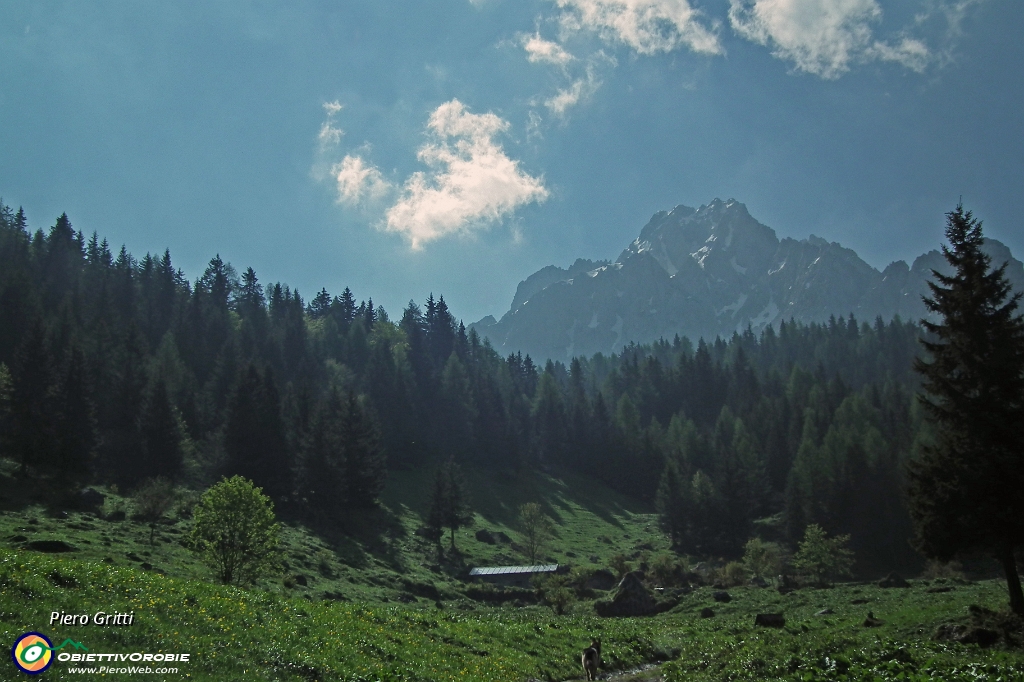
{"points": [[512, 576]]}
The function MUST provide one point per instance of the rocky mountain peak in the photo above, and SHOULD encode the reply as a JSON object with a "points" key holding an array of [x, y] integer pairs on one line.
{"points": [[706, 272]]}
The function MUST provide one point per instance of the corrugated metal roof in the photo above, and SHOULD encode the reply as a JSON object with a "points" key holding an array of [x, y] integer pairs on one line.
{"points": [[512, 570]]}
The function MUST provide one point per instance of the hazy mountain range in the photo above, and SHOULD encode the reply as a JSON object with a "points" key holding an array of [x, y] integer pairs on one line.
{"points": [[708, 272]]}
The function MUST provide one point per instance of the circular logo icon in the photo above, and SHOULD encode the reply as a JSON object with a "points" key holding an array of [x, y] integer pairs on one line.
{"points": [[32, 653]]}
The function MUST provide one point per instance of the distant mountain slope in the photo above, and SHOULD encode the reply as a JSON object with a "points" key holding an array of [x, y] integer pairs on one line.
{"points": [[707, 272]]}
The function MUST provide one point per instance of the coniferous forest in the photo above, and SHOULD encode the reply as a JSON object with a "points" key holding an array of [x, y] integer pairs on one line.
{"points": [[117, 369]]}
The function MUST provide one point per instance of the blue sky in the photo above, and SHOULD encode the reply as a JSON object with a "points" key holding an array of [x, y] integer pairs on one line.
{"points": [[457, 146]]}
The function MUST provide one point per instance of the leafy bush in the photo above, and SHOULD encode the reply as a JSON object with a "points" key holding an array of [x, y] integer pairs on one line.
{"points": [[762, 559], [235, 532], [669, 570], [555, 591], [940, 569], [822, 557], [620, 565], [151, 501], [733, 574]]}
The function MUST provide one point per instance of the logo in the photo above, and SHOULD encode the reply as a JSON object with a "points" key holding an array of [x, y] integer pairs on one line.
{"points": [[32, 653]]}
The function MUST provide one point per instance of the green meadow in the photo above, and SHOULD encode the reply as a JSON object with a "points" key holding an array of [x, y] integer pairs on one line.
{"points": [[235, 634], [372, 600]]}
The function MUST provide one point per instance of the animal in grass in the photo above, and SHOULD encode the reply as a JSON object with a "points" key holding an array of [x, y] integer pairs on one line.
{"points": [[592, 659]]}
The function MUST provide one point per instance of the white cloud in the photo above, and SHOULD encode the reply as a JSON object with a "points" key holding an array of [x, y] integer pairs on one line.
{"points": [[358, 181], [472, 182], [329, 135], [647, 26], [822, 37], [543, 51], [578, 91], [911, 53]]}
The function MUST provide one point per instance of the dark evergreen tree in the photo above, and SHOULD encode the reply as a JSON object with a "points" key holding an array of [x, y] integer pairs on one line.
{"points": [[320, 306], [672, 502], [967, 487], [322, 480], [31, 439], [435, 521], [254, 436], [161, 435], [364, 461], [75, 428], [455, 510]]}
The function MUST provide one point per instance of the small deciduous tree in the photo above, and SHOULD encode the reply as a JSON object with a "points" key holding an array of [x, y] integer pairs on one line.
{"points": [[822, 557], [152, 500], [536, 530], [235, 532]]}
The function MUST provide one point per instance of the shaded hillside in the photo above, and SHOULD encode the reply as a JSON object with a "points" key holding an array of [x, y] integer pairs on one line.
{"points": [[114, 370]]}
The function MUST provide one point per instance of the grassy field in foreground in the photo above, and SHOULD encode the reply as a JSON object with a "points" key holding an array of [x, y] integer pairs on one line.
{"points": [[235, 634]]}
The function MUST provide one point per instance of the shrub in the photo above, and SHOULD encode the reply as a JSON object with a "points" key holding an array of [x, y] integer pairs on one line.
{"points": [[234, 531], [823, 557], [734, 573], [620, 565], [939, 569], [187, 500], [670, 571], [555, 591], [324, 564], [762, 559], [151, 501]]}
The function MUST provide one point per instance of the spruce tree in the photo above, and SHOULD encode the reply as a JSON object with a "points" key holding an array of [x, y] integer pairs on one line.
{"points": [[31, 438], [450, 502], [434, 525], [161, 435], [365, 470], [967, 486], [322, 483], [75, 428], [254, 436]]}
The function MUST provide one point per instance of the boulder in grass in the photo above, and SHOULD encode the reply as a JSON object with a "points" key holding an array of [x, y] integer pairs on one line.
{"points": [[722, 596], [485, 536], [707, 613], [893, 580], [770, 620]]}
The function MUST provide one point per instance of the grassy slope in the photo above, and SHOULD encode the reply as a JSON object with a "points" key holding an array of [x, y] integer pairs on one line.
{"points": [[369, 562], [373, 555]]}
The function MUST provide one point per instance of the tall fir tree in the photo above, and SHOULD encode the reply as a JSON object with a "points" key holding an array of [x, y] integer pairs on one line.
{"points": [[71, 460], [254, 436], [31, 438], [364, 460], [967, 486], [161, 435], [322, 481]]}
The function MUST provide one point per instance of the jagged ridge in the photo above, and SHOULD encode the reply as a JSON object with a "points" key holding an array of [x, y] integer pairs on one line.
{"points": [[708, 272]]}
